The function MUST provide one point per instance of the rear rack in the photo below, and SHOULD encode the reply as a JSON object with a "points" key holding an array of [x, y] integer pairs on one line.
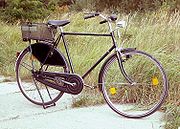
{"points": [[37, 31]]}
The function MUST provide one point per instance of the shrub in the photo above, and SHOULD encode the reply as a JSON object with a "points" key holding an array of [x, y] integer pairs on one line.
{"points": [[29, 10], [24, 10], [126, 5]]}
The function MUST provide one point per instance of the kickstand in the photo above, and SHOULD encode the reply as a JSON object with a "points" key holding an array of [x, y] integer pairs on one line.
{"points": [[47, 106], [43, 104]]}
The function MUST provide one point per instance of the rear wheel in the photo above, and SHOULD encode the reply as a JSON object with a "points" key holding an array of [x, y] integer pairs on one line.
{"points": [[33, 90], [144, 95]]}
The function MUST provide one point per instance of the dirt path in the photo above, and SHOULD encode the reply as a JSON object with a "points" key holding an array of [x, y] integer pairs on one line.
{"points": [[18, 113]]}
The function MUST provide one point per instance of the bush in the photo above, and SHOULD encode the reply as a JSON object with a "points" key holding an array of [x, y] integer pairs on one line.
{"points": [[39, 9], [126, 6], [30, 10], [24, 10]]}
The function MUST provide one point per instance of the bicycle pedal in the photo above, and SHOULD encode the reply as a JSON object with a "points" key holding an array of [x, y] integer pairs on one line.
{"points": [[48, 106]]}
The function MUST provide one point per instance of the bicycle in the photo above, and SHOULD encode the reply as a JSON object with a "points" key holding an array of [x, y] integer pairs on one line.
{"points": [[43, 73]]}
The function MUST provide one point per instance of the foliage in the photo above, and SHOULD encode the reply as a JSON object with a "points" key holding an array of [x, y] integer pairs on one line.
{"points": [[172, 116], [126, 6], [29, 9], [24, 10], [39, 9]]}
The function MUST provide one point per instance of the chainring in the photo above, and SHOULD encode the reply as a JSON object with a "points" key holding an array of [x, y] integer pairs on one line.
{"points": [[78, 84]]}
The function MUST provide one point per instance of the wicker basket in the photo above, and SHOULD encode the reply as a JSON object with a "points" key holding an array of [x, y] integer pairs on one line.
{"points": [[37, 31]]}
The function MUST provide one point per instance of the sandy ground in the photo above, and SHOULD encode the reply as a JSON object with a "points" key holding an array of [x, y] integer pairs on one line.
{"points": [[18, 113]]}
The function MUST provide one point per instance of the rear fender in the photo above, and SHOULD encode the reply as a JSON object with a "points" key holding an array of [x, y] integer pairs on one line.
{"points": [[41, 52]]}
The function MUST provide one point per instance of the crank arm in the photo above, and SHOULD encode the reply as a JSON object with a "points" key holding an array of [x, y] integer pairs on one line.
{"points": [[72, 84]]}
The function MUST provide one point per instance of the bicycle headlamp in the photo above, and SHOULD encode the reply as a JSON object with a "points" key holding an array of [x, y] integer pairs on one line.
{"points": [[121, 24]]}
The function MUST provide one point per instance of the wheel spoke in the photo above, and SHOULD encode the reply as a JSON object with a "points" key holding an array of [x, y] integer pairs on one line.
{"points": [[26, 65]]}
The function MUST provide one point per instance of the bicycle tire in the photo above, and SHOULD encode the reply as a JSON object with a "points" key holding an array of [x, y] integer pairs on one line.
{"points": [[140, 99], [28, 85]]}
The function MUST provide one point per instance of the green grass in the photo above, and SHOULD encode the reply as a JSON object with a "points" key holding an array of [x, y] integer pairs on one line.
{"points": [[172, 116], [10, 41], [157, 33], [88, 98]]}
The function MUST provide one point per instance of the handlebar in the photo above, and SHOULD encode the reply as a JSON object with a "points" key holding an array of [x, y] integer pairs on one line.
{"points": [[106, 19], [90, 15]]}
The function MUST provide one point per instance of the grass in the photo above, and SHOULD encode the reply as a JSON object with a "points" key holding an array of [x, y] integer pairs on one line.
{"points": [[157, 33], [172, 116], [10, 44], [88, 98]]}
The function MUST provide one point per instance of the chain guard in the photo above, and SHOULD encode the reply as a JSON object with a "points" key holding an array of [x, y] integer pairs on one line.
{"points": [[65, 82]]}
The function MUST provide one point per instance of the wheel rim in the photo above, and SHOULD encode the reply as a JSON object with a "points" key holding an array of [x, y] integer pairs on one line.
{"points": [[141, 99]]}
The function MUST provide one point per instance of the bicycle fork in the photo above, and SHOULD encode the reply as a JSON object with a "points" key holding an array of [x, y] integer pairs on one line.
{"points": [[119, 53]]}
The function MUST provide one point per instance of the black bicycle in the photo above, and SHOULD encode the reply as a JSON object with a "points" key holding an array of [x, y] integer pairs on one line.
{"points": [[132, 82]]}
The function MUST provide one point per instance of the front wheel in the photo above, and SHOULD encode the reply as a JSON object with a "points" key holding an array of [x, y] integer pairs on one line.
{"points": [[146, 91]]}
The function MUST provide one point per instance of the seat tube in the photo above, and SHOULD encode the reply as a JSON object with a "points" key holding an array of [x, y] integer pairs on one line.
{"points": [[67, 50]]}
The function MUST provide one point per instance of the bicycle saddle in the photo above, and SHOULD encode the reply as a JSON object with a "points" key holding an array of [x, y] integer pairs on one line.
{"points": [[58, 22]]}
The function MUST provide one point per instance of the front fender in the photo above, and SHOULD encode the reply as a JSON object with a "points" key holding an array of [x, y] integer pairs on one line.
{"points": [[127, 50]]}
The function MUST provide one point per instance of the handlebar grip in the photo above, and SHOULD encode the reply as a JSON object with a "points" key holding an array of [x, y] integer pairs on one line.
{"points": [[104, 21], [89, 16]]}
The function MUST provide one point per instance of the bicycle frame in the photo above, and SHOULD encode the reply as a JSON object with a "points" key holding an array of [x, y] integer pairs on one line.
{"points": [[70, 83], [62, 36], [114, 46]]}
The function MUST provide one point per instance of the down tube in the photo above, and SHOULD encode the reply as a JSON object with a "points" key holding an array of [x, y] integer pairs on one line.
{"points": [[85, 74]]}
